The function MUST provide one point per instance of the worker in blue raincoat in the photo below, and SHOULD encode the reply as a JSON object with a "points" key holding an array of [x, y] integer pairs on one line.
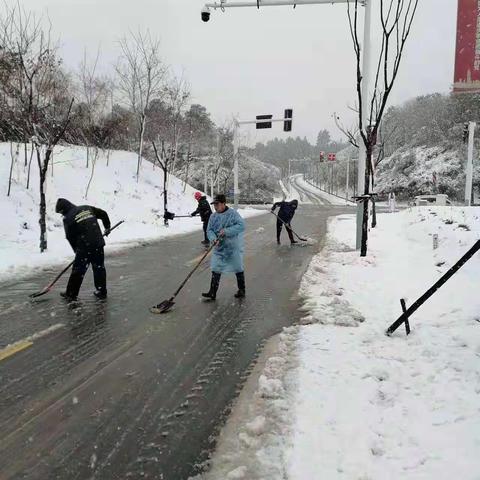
{"points": [[226, 227]]}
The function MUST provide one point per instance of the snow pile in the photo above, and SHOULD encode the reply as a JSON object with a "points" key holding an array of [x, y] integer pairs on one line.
{"points": [[255, 439], [352, 402], [113, 188], [371, 406]]}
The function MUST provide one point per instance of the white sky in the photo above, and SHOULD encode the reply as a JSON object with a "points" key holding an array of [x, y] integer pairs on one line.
{"points": [[248, 62]]}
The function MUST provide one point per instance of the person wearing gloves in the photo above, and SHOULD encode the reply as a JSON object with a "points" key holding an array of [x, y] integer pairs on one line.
{"points": [[205, 211], [226, 228], [86, 239]]}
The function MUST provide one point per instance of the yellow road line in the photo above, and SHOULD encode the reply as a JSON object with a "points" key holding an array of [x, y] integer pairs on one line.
{"points": [[14, 348], [20, 345]]}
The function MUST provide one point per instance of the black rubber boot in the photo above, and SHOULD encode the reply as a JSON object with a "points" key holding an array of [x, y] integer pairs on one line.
{"points": [[241, 285], [214, 283], [100, 294], [67, 297]]}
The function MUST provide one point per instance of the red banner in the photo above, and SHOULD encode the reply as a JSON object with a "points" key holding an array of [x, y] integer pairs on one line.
{"points": [[467, 52]]}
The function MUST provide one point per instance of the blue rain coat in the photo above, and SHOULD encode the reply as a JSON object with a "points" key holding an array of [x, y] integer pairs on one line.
{"points": [[227, 256]]}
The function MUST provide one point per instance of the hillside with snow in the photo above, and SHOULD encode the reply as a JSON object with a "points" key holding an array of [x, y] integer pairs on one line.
{"points": [[113, 187], [258, 180]]}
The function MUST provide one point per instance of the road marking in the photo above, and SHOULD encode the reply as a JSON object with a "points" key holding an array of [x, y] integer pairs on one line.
{"points": [[20, 345], [14, 348]]}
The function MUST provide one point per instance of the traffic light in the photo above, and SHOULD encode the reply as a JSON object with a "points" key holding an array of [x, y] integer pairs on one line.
{"points": [[287, 124], [264, 124], [465, 132]]}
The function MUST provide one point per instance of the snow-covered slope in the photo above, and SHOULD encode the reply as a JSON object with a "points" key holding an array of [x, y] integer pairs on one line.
{"points": [[412, 171], [113, 188]]}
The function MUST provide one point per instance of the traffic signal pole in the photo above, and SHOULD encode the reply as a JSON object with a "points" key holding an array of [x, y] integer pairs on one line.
{"points": [[236, 126], [223, 4]]}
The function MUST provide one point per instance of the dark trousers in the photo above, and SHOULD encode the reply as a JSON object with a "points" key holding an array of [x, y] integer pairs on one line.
{"points": [[287, 227], [205, 225], [215, 282], [83, 259]]}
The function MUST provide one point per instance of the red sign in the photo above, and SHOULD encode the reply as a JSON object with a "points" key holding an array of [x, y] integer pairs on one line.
{"points": [[332, 156], [467, 52]]}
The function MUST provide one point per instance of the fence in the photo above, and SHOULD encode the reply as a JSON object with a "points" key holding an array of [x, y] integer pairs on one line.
{"points": [[337, 177]]}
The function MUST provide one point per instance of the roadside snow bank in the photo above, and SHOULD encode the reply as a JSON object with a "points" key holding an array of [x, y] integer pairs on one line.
{"points": [[358, 404], [113, 188]]}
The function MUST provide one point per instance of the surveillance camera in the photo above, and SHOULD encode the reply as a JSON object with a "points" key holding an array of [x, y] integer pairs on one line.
{"points": [[205, 14]]}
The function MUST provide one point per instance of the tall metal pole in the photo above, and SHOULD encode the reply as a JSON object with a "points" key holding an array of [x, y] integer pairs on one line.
{"points": [[347, 179], [235, 165], [469, 167], [205, 180], [362, 152]]}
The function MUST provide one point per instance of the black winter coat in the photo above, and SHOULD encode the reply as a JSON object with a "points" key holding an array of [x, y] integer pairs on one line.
{"points": [[81, 226], [203, 209], [287, 210]]}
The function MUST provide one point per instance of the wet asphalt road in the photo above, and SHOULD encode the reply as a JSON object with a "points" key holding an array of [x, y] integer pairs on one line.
{"points": [[107, 390]]}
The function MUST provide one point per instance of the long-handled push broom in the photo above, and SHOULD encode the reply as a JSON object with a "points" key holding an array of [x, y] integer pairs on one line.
{"points": [[166, 305], [288, 226]]}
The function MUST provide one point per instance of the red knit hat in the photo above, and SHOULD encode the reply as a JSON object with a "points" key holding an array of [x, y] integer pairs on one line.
{"points": [[198, 196]]}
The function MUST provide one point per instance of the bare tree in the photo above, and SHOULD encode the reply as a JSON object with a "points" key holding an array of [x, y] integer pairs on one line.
{"points": [[164, 161], [141, 75], [13, 160], [36, 91], [396, 17], [176, 96]]}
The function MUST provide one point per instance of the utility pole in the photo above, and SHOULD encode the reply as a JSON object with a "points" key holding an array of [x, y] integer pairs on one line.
{"points": [[469, 166], [259, 123], [235, 164], [362, 152], [347, 179], [224, 4], [205, 180]]}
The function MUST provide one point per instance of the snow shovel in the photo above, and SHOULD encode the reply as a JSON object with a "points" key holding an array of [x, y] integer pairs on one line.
{"points": [[172, 216], [166, 305], [51, 284], [288, 226]]}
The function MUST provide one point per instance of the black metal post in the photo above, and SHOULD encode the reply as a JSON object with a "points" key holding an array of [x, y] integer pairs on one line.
{"points": [[407, 313]]}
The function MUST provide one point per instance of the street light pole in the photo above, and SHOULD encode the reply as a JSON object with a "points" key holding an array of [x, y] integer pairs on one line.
{"points": [[235, 164], [362, 151]]}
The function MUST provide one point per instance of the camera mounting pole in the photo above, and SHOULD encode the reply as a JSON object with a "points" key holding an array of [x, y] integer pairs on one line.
{"points": [[269, 3], [223, 4]]}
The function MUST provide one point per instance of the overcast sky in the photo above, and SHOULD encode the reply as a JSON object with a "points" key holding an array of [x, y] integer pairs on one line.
{"points": [[246, 62]]}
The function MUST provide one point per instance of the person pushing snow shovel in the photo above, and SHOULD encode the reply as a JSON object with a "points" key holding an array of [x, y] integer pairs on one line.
{"points": [[285, 215], [205, 211], [225, 228], [86, 239]]}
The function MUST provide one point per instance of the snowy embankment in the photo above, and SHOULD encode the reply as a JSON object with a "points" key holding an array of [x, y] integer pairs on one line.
{"points": [[336, 398], [113, 187], [332, 199]]}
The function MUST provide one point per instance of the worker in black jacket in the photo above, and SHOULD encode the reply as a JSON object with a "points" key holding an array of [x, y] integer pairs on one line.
{"points": [[284, 217], [205, 211], [85, 237]]}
